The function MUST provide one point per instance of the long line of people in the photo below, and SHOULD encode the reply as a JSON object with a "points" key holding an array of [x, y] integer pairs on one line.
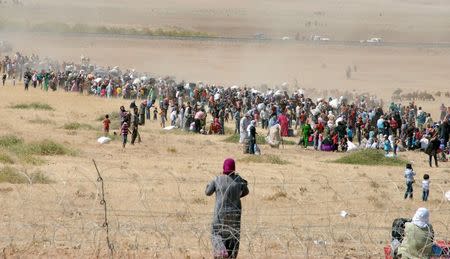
{"points": [[338, 123]]}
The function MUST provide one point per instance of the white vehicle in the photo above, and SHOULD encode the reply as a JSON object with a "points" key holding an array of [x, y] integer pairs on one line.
{"points": [[285, 38], [372, 40], [319, 38]]}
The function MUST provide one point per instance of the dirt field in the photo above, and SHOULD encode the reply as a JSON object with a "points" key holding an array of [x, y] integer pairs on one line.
{"points": [[157, 207], [155, 190]]}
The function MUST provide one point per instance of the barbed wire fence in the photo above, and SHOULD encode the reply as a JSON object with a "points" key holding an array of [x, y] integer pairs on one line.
{"points": [[168, 216]]}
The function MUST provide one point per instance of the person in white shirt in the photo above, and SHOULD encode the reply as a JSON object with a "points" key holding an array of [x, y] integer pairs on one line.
{"points": [[425, 187], [409, 175]]}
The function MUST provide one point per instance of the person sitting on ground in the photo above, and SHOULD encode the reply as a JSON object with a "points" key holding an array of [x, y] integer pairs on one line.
{"points": [[215, 127], [419, 235]]}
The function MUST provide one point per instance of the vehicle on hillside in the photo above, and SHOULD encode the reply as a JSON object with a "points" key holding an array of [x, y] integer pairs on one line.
{"points": [[372, 40], [259, 36], [319, 38]]}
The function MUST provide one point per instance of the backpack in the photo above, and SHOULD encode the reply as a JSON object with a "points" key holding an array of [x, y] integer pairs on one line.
{"points": [[398, 228]]}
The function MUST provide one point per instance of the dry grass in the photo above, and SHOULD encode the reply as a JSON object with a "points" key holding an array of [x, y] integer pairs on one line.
{"points": [[267, 159], [38, 120], [279, 193]]}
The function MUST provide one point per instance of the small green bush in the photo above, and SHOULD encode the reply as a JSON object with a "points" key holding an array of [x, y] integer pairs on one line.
{"points": [[370, 157], [267, 159], [5, 158], [10, 140], [26, 152], [49, 148], [77, 126], [13, 176], [40, 178], [41, 121], [172, 150], [34, 106]]}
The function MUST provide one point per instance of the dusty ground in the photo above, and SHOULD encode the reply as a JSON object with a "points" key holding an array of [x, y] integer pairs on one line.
{"points": [[154, 190], [156, 206]]}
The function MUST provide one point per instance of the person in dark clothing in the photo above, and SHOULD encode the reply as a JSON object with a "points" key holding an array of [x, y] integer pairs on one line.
{"points": [[226, 226], [252, 137], [3, 79], [445, 132], [134, 126], [432, 150], [142, 109]]}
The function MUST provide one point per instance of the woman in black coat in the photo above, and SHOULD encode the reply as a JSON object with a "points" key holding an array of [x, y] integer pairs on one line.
{"points": [[432, 149]]}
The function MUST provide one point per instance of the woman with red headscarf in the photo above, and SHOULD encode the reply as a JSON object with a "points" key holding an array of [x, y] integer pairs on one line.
{"points": [[226, 226], [284, 123]]}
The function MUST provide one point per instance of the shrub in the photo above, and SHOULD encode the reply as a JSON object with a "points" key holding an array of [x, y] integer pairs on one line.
{"points": [[41, 121], [370, 157], [49, 148], [268, 159], [77, 126], [34, 106], [40, 178], [5, 158], [12, 175], [10, 140]]}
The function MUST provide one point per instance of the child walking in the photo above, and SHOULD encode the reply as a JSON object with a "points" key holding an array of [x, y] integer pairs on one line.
{"points": [[387, 145], [409, 175], [106, 123], [155, 114], [396, 143], [124, 132], [425, 187]]}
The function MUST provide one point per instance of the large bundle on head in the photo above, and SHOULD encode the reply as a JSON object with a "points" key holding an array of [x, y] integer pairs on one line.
{"points": [[261, 106], [136, 81], [315, 111], [334, 103]]}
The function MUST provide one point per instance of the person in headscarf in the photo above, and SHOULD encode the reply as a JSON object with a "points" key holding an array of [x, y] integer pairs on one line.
{"points": [[274, 137], [251, 131], [226, 226], [245, 121], [306, 131], [419, 234], [284, 123]]}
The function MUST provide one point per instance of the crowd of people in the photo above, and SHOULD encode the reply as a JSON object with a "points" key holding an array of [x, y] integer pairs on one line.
{"points": [[338, 122]]}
